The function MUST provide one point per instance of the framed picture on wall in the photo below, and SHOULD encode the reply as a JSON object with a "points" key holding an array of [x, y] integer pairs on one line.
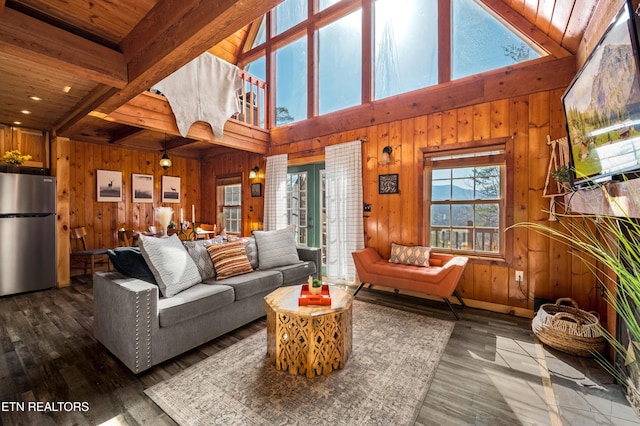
{"points": [[109, 185], [388, 184], [170, 189], [142, 188], [256, 190]]}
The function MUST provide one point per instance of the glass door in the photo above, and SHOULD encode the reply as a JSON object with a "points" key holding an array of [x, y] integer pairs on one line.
{"points": [[305, 206]]}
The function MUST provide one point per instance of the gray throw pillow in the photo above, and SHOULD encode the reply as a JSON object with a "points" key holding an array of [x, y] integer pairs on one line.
{"points": [[171, 265], [200, 256], [276, 248], [252, 251]]}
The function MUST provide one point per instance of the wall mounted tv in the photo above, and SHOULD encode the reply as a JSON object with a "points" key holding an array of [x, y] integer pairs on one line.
{"points": [[602, 105]]}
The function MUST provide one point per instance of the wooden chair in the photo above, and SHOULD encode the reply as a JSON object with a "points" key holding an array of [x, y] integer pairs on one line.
{"points": [[89, 257], [209, 231], [125, 237]]}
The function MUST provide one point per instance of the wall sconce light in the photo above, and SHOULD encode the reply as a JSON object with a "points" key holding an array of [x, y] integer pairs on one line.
{"points": [[165, 161], [385, 158], [253, 173]]}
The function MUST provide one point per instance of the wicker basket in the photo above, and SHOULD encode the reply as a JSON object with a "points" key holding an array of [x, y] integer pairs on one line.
{"points": [[568, 328]]}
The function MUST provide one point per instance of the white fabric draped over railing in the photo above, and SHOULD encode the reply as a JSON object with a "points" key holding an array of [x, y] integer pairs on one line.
{"points": [[275, 193], [345, 230]]}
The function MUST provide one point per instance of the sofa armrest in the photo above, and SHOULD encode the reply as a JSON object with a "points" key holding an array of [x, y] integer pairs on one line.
{"points": [[125, 317], [312, 254]]}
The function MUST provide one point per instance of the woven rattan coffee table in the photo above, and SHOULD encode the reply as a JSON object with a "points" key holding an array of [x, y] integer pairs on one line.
{"points": [[311, 340]]}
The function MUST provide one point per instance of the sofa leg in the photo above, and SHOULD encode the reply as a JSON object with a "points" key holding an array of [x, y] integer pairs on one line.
{"points": [[358, 289], [451, 307], [455, 293]]}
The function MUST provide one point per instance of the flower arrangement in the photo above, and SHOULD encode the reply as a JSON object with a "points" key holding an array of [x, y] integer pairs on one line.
{"points": [[14, 157]]}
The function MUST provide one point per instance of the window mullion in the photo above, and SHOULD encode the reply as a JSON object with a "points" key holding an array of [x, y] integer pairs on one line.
{"points": [[367, 51], [444, 41]]}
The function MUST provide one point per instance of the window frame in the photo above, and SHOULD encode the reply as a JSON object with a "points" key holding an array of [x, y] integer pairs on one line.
{"points": [[221, 184], [505, 255], [317, 19]]}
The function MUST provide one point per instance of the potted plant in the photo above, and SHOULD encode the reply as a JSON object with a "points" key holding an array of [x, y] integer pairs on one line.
{"points": [[15, 158], [609, 246], [562, 175], [315, 286]]}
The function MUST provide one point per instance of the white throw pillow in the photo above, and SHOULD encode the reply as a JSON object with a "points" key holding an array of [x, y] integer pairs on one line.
{"points": [[171, 265], [276, 248]]}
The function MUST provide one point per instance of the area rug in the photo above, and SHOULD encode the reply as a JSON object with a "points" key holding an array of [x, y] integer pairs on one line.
{"points": [[394, 357]]}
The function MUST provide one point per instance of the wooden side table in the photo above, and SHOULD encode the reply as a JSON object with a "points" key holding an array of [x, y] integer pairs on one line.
{"points": [[311, 340]]}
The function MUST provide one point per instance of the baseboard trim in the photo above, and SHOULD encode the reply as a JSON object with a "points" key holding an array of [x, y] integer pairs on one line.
{"points": [[478, 304]]}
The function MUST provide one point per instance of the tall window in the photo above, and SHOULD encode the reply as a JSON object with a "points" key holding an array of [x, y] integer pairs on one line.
{"points": [[297, 204], [466, 196], [406, 46], [291, 67], [354, 61], [230, 204], [341, 63], [480, 42], [289, 13]]}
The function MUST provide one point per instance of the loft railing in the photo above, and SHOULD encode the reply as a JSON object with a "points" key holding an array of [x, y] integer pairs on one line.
{"points": [[252, 99]]}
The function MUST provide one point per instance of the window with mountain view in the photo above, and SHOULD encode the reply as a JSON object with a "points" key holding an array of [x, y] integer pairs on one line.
{"points": [[467, 201]]}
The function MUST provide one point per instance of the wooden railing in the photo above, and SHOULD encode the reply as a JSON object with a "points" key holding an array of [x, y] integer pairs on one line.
{"points": [[463, 238], [252, 98]]}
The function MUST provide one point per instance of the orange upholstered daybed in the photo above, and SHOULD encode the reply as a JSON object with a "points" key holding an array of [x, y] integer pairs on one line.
{"points": [[433, 280]]}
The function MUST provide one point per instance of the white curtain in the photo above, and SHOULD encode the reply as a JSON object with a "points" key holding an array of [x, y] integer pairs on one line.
{"points": [[275, 193], [345, 230]]}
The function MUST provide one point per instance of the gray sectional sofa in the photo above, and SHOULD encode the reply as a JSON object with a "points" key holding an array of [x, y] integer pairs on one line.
{"points": [[142, 327]]}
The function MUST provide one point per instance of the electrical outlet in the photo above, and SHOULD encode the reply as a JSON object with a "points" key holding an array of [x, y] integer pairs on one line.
{"points": [[519, 276]]}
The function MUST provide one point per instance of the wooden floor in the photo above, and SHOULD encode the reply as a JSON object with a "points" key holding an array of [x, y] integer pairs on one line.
{"points": [[492, 372]]}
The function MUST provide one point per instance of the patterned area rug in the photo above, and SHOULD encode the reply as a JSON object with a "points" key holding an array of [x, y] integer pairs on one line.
{"points": [[393, 361]]}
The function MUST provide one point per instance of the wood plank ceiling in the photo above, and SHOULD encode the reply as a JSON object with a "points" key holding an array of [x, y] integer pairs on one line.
{"points": [[81, 56]]}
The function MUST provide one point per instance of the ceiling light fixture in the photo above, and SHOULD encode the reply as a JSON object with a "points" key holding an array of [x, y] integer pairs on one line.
{"points": [[165, 161], [17, 123], [35, 98], [25, 111], [66, 89], [253, 173]]}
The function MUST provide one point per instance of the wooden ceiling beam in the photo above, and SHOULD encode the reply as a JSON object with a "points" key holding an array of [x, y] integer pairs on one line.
{"points": [[184, 30], [124, 133], [28, 38], [528, 29], [172, 34]]}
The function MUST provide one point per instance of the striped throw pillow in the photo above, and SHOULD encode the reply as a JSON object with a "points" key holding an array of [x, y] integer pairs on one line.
{"points": [[229, 259]]}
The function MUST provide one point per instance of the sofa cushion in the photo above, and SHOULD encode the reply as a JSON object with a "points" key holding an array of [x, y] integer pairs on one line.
{"points": [[276, 248], [193, 302], [297, 273], [252, 251], [171, 265], [200, 256], [409, 255], [248, 285], [229, 259], [129, 261]]}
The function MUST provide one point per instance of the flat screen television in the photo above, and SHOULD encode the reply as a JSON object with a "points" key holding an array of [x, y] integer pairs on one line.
{"points": [[602, 106]]}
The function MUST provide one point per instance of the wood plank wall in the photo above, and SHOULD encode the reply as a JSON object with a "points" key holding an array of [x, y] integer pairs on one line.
{"points": [[549, 269], [103, 219]]}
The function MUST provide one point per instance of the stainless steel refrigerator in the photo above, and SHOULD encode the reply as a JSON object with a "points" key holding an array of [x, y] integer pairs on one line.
{"points": [[27, 233]]}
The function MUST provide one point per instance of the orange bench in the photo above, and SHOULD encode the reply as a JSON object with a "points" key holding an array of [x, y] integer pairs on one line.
{"points": [[433, 280]]}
